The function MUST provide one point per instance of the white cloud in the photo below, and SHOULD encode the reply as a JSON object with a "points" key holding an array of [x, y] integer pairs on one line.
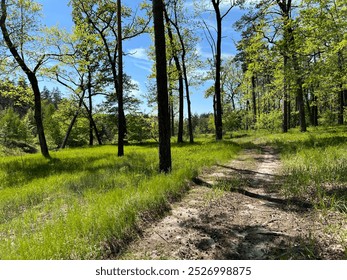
{"points": [[139, 53]]}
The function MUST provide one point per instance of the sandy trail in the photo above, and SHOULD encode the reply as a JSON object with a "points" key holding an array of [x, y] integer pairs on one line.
{"points": [[251, 222]]}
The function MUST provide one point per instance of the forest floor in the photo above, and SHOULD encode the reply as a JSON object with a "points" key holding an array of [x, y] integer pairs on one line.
{"points": [[237, 211]]}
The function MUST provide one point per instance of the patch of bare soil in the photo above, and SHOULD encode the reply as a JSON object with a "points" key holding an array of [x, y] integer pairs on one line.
{"points": [[253, 221]]}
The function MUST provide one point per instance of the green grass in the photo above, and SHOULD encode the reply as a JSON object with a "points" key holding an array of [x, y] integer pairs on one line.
{"points": [[314, 163], [82, 201], [314, 169]]}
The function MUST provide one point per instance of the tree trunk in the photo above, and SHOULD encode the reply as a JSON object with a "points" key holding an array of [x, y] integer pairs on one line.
{"points": [[218, 62], [190, 125], [289, 51], [180, 80], [172, 113], [162, 87], [185, 76], [341, 93], [91, 119], [38, 114], [90, 112], [341, 106], [301, 105], [254, 100], [286, 118], [315, 110], [121, 115]]}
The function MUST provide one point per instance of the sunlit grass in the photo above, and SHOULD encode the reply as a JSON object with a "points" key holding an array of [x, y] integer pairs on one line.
{"points": [[75, 205], [314, 163]]}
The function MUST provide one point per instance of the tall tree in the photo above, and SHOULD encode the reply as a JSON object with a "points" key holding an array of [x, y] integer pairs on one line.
{"points": [[174, 53], [286, 7], [176, 6], [16, 40], [219, 15], [162, 87], [101, 17]]}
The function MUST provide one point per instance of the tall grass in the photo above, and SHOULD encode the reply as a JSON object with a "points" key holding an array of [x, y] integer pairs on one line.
{"points": [[314, 163], [74, 205]]}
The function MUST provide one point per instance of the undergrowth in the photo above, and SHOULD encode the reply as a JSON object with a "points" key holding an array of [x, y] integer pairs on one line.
{"points": [[74, 205]]}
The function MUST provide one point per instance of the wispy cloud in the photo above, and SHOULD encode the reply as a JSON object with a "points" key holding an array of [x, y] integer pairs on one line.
{"points": [[139, 53]]}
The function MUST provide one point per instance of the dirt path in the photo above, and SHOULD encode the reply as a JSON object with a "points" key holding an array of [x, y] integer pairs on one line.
{"points": [[251, 222]]}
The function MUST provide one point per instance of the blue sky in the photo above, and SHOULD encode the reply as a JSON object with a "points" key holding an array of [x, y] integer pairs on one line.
{"points": [[137, 63]]}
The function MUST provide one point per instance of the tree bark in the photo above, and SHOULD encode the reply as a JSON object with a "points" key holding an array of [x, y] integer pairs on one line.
{"points": [[172, 113], [254, 100], [121, 115], [90, 112], [218, 61], [341, 93], [162, 87]]}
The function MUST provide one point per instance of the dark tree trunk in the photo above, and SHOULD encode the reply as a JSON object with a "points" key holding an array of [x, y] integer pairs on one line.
{"points": [[90, 112], [162, 87], [340, 118], [190, 125], [289, 113], [38, 114], [247, 109], [172, 113], [254, 100], [314, 110], [218, 62], [286, 117], [121, 115]]}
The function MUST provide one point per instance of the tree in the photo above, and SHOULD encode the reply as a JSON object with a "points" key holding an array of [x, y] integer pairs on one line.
{"points": [[16, 40], [216, 46], [176, 6], [82, 71], [101, 17], [162, 88], [174, 53]]}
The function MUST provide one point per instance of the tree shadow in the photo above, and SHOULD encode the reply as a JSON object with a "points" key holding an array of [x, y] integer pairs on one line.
{"points": [[246, 171], [234, 242]]}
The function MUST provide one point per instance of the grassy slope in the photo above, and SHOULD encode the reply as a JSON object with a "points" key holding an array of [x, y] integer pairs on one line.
{"points": [[72, 206]]}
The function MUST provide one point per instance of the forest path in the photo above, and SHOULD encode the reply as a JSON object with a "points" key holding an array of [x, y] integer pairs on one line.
{"points": [[253, 221]]}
